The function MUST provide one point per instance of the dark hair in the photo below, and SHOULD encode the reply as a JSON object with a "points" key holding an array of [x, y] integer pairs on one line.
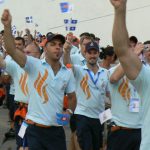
{"points": [[75, 39], [38, 48], [18, 38], [147, 42], [84, 34], [97, 38], [108, 51], [92, 36], [133, 39], [2, 32], [85, 37]]}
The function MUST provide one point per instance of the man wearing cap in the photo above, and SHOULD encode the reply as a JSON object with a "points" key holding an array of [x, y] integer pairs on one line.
{"points": [[78, 58], [91, 89], [48, 80]]}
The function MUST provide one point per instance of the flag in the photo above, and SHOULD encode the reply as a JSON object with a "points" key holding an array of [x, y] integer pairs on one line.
{"points": [[74, 21], [66, 7], [1, 1], [66, 21], [36, 25], [70, 24], [72, 29], [14, 30], [62, 119], [29, 19], [38, 34]]}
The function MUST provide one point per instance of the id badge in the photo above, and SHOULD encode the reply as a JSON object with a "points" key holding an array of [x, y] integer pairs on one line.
{"points": [[134, 105], [22, 130], [105, 116]]}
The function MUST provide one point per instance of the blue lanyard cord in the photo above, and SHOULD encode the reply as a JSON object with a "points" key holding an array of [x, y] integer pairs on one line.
{"points": [[89, 72]]}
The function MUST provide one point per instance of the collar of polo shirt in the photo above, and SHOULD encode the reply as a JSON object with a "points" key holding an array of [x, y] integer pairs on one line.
{"points": [[99, 70], [44, 62]]}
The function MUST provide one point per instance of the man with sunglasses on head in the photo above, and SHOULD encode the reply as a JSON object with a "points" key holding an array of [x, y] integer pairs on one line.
{"points": [[48, 80]]}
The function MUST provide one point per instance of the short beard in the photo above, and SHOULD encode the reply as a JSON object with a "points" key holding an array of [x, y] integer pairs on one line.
{"points": [[92, 64]]}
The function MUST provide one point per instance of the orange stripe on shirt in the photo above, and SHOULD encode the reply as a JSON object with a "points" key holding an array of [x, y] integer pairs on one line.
{"points": [[24, 83], [45, 95], [41, 82], [36, 81]]}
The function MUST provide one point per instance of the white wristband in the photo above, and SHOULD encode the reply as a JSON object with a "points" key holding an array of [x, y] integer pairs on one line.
{"points": [[70, 111]]}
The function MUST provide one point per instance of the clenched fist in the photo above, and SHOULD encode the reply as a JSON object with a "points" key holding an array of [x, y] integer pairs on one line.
{"points": [[118, 4], [6, 18]]}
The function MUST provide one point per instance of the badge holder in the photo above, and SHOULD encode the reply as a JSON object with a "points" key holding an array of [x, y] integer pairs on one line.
{"points": [[105, 116], [22, 130], [134, 105], [62, 119]]}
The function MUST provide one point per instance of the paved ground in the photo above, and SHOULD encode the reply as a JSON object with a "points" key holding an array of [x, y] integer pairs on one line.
{"points": [[4, 127]]}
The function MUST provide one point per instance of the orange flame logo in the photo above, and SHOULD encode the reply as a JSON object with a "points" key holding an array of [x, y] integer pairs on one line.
{"points": [[85, 87], [23, 83], [40, 87], [124, 89]]}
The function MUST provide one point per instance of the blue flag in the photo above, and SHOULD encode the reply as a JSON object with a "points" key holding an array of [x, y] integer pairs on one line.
{"points": [[65, 7], [72, 29], [29, 19], [62, 119], [1, 1], [14, 30], [74, 21], [66, 21], [70, 24]]}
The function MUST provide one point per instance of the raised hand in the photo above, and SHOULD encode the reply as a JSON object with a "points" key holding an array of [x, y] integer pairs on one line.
{"points": [[67, 46], [27, 31], [138, 48], [6, 18], [118, 4]]}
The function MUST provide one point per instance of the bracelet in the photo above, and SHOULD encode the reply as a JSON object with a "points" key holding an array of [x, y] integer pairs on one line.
{"points": [[70, 111]]}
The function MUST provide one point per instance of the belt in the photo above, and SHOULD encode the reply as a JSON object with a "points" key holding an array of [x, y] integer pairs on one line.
{"points": [[37, 124], [116, 128]]}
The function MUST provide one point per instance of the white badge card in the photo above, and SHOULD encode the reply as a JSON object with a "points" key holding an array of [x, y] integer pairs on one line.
{"points": [[104, 116], [134, 105], [22, 130]]}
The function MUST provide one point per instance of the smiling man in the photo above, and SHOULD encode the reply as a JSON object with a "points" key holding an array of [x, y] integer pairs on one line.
{"points": [[91, 88]]}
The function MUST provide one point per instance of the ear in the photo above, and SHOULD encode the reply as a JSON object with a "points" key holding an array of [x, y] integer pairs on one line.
{"points": [[45, 48]]}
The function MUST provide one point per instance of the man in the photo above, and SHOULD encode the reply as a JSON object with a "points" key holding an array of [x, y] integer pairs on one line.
{"points": [[78, 58], [20, 84], [133, 41], [146, 53], [134, 69], [91, 88], [19, 42], [126, 112], [48, 80]]}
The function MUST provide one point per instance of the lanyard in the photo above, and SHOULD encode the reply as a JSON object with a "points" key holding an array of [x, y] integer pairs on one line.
{"points": [[89, 72]]}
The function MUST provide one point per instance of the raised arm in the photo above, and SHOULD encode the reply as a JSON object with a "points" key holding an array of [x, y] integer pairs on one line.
{"points": [[67, 48], [2, 62], [130, 62], [16, 54], [117, 74]]}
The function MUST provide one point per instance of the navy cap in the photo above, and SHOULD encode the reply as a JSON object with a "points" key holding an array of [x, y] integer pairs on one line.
{"points": [[92, 45], [51, 36]]}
